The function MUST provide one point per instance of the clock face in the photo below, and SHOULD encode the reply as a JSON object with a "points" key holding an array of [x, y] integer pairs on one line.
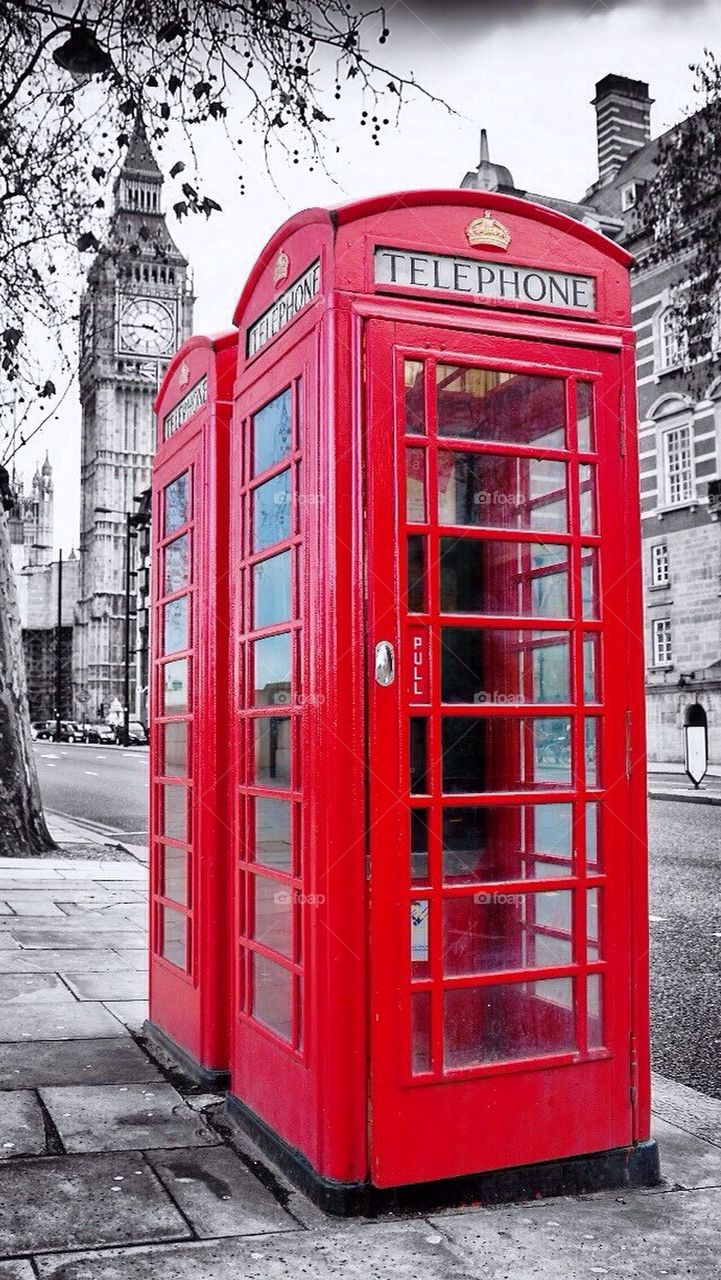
{"points": [[147, 328]]}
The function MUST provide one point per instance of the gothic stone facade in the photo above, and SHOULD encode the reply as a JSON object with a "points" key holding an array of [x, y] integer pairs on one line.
{"points": [[136, 309]]}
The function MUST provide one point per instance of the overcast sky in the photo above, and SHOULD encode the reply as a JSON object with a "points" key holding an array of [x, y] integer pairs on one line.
{"points": [[524, 69]]}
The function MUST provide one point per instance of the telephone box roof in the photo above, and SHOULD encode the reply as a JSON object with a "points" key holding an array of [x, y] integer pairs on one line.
{"points": [[345, 214]]}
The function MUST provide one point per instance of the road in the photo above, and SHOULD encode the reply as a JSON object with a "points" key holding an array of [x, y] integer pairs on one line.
{"points": [[104, 787], [685, 913]]}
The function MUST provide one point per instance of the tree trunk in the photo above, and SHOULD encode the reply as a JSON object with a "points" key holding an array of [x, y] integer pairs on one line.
{"points": [[23, 833]]}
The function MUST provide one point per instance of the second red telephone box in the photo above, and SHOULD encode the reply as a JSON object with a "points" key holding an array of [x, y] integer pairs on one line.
{"points": [[439, 940], [190, 861]]}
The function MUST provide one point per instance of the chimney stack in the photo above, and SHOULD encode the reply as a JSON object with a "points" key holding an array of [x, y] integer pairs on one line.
{"points": [[623, 122]]}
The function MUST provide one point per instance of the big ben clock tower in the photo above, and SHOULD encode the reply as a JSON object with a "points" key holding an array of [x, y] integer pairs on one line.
{"points": [[136, 309]]}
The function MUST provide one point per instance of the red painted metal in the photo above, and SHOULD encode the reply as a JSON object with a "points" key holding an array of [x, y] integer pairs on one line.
{"points": [[373, 992], [190, 852]]}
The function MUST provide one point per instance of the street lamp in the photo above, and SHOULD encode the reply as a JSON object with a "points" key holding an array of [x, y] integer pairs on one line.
{"points": [[133, 520], [82, 55]]}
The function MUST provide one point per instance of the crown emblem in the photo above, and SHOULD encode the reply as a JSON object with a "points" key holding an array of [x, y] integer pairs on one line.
{"points": [[281, 268], [488, 230], [183, 374]]}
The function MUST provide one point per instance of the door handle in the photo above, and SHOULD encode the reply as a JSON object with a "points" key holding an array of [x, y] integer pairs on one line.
{"points": [[384, 663]]}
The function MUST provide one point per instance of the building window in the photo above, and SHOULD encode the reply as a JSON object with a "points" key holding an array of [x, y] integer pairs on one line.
{"points": [[678, 466], [662, 648], [629, 195], [660, 576], [671, 339]]}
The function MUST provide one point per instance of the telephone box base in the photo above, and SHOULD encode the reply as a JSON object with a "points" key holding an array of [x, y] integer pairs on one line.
{"points": [[634, 1166], [213, 1078]]}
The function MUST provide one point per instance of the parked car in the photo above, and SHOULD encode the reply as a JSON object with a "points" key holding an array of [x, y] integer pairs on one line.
{"points": [[39, 729], [69, 730], [98, 733]]}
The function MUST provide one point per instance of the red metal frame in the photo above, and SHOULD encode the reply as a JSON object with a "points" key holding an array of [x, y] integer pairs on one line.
{"points": [[321, 1047], [189, 984]]}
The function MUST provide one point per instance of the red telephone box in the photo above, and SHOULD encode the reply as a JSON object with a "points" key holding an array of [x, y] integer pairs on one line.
{"points": [[190, 859], [438, 802]]}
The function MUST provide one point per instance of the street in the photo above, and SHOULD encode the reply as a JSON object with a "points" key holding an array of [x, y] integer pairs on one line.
{"points": [[105, 788]]}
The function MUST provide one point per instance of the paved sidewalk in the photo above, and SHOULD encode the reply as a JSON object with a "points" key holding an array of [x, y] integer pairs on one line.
{"points": [[670, 782], [114, 1168]]}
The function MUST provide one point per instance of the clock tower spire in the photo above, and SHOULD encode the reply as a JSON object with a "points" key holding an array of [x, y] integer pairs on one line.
{"points": [[137, 307]]}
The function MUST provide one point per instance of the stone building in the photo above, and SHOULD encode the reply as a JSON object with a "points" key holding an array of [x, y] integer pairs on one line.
{"points": [[679, 426], [136, 309], [38, 575]]}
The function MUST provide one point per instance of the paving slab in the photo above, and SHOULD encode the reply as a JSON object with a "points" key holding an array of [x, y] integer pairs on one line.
{"points": [[54, 961], [22, 1128], [7, 942], [6, 909], [132, 1013], [20, 1269], [67, 1062], [33, 988], [619, 1234], [124, 1117], [39, 908], [686, 1161], [218, 1194], [87, 921], [695, 1112], [107, 986], [75, 938], [83, 1202], [75, 1021], [404, 1251], [131, 959]]}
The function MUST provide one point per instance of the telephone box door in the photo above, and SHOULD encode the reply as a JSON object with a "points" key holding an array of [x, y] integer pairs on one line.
{"points": [[499, 694]]}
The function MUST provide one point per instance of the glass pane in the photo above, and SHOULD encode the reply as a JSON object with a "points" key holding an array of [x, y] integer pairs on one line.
{"points": [[271, 665], [175, 687], [175, 749], [271, 432], [593, 816], [175, 808], [175, 625], [589, 583], [176, 565], [505, 753], [492, 665], [272, 833], [515, 579], [415, 485], [491, 404], [174, 930], [420, 1031], [272, 993], [420, 964], [593, 936], [499, 491], [584, 416], [506, 842], [271, 511], [419, 844], [272, 752], [174, 874], [177, 503], [591, 753], [496, 930], [272, 914], [594, 1007], [515, 1020], [416, 573], [413, 392], [271, 590], [419, 755], [591, 672], [587, 498]]}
